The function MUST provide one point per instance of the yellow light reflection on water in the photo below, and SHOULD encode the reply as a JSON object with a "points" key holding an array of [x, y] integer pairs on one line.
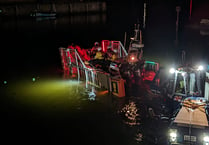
{"points": [[46, 93]]}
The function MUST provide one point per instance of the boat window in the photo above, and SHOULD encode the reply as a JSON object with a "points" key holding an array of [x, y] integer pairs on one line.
{"points": [[150, 67]]}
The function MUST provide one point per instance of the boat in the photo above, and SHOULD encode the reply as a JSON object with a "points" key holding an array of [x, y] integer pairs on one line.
{"points": [[189, 124], [187, 81], [99, 63], [38, 12], [43, 14]]}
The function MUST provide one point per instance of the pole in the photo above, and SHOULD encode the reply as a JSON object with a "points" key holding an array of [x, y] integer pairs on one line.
{"points": [[76, 55], [206, 86], [144, 15], [174, 86], [199, 83], [183, 53], [87, 78], [190, 125], [125, 40], [185, 84], [178, 9], [190, 10], [140, 33], [93, 81]]}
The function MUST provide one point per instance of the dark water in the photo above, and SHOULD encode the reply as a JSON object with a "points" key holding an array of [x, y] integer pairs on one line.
{"points": [[29, 48]]}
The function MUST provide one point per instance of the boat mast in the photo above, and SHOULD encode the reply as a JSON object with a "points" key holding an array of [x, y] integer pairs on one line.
{"points": [[144, 20], [136, 32]]}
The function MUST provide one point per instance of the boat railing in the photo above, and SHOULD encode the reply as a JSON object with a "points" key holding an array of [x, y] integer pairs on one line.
{"points": [[64, 60], [123, 52], [114, 45], [73, 64]]}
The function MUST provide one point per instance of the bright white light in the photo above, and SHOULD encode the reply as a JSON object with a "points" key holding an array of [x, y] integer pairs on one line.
{"points": [[183, 74], [132, 58], [206, 138], [172, 70], [173, 135], [200, 67]]}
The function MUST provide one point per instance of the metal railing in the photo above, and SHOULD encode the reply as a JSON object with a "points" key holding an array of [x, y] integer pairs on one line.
{"points": [[72, 62], [114, 45]]}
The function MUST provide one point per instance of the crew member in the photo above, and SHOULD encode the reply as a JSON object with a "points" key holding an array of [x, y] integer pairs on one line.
{"points": [[95, 49], [99, 54]]}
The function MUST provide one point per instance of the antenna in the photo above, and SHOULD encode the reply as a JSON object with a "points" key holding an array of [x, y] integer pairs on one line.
{"points": [[144, 20], [183, 54]]}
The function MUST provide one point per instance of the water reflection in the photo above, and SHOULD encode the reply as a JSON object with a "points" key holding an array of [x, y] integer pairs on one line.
{"points": [[52, 22], [45, 18], [139, 126], [204, 32], [84, 19], [129, 110], [130, 114], [89, 89]]}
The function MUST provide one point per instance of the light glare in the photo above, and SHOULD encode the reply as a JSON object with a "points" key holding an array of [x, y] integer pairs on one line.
{"points": [[132, 58], [172, 70], [200, 67], [173, 135], [206, 139]]}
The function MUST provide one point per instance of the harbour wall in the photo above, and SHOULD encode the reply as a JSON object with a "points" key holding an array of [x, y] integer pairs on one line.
{"points": [[59, 8]]}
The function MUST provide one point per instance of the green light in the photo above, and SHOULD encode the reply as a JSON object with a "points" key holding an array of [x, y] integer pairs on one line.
{"points": [[0, 11], [5, 82], [150, 62], [33, 79]]}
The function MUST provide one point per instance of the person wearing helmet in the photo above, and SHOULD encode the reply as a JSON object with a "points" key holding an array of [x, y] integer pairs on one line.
{"points": [[96, 44], [94, 49], [99, 54]]}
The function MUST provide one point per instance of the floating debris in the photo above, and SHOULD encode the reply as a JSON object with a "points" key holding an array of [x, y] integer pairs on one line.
{"points": [[92, 96]]}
